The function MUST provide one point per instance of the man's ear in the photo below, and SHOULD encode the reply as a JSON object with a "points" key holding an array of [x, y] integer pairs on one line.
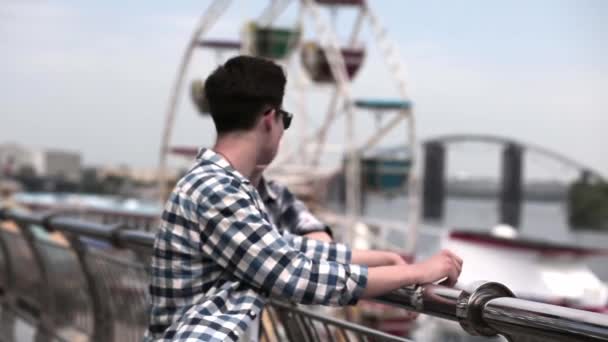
{"points": [[268, 118]]}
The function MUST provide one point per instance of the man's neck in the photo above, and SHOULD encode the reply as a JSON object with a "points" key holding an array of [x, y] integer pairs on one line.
{"points": [[240, 150]]}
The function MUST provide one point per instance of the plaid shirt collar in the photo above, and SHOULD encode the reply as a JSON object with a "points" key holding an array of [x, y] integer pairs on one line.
{"points": [[207, 156]]}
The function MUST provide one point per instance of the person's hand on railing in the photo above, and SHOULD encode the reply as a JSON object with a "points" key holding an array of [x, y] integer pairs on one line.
{"points": [[444, 267], [384, 279]]}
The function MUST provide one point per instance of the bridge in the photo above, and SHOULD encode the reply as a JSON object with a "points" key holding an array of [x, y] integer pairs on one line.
{"points": [[75, 280], [511, 177]]}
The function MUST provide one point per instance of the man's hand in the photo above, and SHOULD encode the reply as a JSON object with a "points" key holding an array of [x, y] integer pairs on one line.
{"points": [[445, 264], [384, 279], [397, 259]]}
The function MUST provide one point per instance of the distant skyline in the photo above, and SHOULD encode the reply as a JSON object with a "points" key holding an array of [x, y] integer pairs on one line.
{"points": [[95, 77]]}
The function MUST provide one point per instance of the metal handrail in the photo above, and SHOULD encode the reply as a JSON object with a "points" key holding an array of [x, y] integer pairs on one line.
{"points": [[489, 309], [486, 309]]}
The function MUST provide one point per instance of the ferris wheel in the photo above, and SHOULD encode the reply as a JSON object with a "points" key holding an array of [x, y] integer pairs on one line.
{"points": [[323, 62]]}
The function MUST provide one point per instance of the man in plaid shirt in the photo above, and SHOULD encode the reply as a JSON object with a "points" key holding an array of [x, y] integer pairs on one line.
{"points": [[217, 256]]}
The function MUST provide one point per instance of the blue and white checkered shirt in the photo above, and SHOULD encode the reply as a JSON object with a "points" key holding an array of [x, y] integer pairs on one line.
{"points": [[217, 258]]}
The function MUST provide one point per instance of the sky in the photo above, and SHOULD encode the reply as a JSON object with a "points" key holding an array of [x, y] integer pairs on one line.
{"points": [[95, 77]]}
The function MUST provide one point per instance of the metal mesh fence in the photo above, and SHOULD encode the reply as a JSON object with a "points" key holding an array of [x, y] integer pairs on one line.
{"points": [[26, 276], [67, 284], [123, 282]]}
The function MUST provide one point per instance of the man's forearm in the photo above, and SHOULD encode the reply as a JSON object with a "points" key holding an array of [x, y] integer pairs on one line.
{"points": [[373, 258], [385, 279]]}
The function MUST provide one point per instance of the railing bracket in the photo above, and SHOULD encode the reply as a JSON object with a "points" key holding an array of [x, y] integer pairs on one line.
{"points": [[470, 305]]}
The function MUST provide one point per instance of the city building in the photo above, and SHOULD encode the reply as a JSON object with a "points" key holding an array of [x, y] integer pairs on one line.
{"points": [[51, 163]]}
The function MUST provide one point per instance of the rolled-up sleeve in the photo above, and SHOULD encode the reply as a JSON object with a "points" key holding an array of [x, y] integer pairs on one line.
{"points": [[237, 235]]}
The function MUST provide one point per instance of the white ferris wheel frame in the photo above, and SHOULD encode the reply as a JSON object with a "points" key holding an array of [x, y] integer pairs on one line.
{"points": [[342, 91]]}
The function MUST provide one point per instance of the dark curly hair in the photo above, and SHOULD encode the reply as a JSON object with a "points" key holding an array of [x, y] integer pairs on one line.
{"points": [[239, 91]]}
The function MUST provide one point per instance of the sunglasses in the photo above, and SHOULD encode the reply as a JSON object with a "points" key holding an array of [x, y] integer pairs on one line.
{"points": [[286, 116]]}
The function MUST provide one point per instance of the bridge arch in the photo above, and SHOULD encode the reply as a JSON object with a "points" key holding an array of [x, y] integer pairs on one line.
{"points": [[503, 140], [511, 185]]}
